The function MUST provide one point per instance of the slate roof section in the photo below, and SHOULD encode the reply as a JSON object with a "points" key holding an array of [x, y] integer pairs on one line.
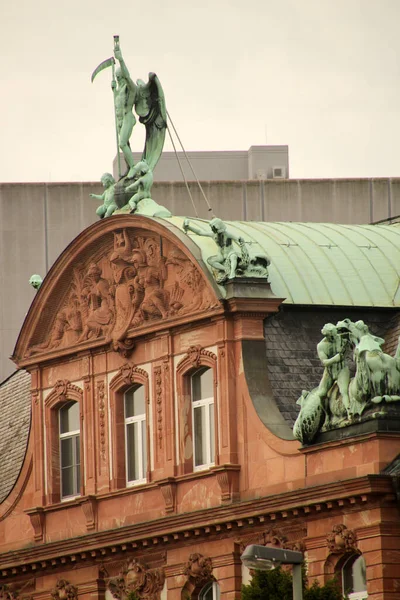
{"points": [[15, 411], [291, 338]]}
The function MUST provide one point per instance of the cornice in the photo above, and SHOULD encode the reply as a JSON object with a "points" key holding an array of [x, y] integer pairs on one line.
{"points": [[216, 521]]}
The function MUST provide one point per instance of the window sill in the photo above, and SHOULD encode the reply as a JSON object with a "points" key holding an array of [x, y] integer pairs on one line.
{"points": [[136, 483], [69, 498]]}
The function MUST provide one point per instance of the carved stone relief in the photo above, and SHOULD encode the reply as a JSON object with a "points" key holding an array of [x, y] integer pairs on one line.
{"points": [[141, 280], [13, 591], [101, 393], [136, 577], [290, 540], [341, 540], [64, 591], [198, 568], [159, 395]]}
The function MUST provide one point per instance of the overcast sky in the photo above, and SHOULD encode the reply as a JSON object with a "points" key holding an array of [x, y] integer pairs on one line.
{"points": [[319, 75]]}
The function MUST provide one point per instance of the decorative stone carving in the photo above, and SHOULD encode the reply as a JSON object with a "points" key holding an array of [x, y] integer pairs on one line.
{"points": [[89, 507], [101, 394], [129, 372], [64, 591], [37, 518], [136, 577], [341, 540], [13, 591], [198, 568], [232, 259], [8, 592], [158, 393], [168, 490], [140, 280], [340, 400], [275, 537], [228, 481], [196, 354]]}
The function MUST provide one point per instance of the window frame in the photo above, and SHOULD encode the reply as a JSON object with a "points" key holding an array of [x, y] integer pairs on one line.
{"points": [[206, 436], [62, 393], [140, 419], [127, 377], [348, 563], [69, 435], [195, 358], [214, 586]]}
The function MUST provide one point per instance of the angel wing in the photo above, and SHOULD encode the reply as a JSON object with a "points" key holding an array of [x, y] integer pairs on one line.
{"points": [[150, 106]]}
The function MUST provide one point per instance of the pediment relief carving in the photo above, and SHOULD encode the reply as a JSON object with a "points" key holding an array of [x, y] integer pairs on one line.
{"points": [[132, 282]]}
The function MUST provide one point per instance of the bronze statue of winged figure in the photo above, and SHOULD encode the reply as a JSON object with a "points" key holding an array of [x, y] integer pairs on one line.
{"points": [[146, 100]]}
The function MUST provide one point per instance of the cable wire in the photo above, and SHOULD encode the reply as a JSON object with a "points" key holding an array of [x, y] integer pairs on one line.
{"points": [[190, 165]]}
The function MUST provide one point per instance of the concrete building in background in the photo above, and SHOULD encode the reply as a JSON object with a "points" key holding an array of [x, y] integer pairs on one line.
{"points": [[258, 162], [38, 221]]}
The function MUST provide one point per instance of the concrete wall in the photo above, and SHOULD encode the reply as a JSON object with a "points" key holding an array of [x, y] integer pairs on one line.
{"points": [[256, 163], [37, 222]]}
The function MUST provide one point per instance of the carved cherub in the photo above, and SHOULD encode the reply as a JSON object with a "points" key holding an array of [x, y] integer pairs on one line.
{"points": [[107, 197]]}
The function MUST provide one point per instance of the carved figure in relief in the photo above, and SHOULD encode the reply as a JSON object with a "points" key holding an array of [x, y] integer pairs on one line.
{"points": [[132, 284], [340, 400], [107, 197], [97, 297], [230, 261], [191, 279]]}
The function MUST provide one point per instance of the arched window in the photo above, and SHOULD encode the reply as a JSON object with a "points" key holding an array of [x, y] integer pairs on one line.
{"points": [[70, 459], [210, 591], [202, 394], [354, 578], [135, 435]]}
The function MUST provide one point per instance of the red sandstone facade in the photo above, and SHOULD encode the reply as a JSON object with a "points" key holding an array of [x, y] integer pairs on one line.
{"points": [[184, 526]]}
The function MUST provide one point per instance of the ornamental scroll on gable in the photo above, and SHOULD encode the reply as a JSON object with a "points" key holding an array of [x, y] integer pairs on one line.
{"points": [[133, 282]]}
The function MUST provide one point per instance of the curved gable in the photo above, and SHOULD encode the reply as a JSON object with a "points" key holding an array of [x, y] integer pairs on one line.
{"points": [[120, 278]]}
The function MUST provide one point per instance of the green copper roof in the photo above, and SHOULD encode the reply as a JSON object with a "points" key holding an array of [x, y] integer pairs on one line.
{"points": [[322, 263]]}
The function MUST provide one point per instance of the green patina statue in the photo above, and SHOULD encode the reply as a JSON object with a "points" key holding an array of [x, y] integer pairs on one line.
{"points": [[148, 102], [142, 185], [35, 281], [232, 259], [108, 197], [341, 400]]}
